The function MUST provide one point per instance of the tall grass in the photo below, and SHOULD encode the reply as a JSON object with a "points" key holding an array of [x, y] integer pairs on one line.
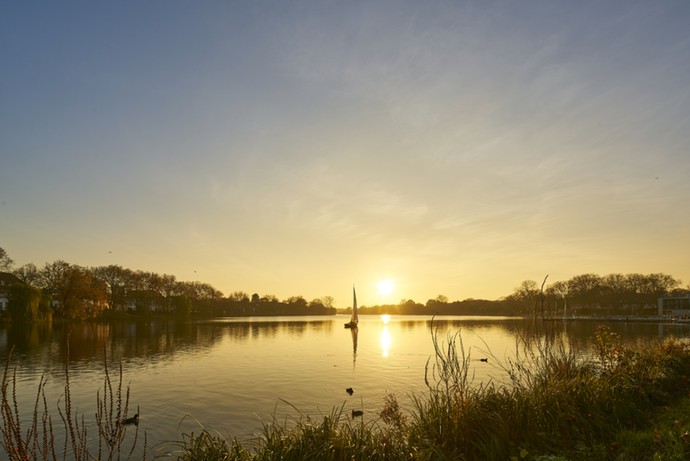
{"points": [[39, 438], [556, 400], [335, 436], [556, 404]]}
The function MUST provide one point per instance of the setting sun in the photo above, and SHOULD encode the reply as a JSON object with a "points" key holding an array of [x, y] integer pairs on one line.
{"points": [[386, 287]]}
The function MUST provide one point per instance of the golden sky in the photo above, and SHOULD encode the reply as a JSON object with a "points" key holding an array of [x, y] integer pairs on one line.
{"points": [[297, 148]]}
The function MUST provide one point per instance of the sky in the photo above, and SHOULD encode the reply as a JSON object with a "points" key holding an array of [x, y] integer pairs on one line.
{"points": [[454, 148]]}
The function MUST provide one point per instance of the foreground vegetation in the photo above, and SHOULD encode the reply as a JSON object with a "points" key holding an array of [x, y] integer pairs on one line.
{"points": [[41, 439], [613, 402], [618, 404]]}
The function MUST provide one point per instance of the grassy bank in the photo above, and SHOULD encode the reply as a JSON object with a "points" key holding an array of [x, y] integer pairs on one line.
{"points": [[613, 402]]}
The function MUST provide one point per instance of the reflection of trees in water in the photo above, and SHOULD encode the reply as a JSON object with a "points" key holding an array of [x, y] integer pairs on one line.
{"points": [[581, 333], [122, 340], [44, 342], [39, 344], [511, 326], [25, 338], [242, 331], [131, 339]]}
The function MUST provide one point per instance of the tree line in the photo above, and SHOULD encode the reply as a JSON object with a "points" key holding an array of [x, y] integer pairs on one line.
{"points": [[71, 291], [592, 293], [63, 290], [586, 294]]}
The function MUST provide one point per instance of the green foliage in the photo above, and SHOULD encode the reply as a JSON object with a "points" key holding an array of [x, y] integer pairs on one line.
{"points": [[334, 437], [666, 438], [557, 405], [24, 303], [208, 447]]}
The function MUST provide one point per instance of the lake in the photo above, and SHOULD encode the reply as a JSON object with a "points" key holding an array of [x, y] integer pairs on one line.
{"points": [[231, 375]]}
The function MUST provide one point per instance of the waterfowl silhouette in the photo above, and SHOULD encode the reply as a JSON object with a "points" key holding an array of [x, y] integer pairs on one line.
{"points": [[349, 390], [484, 360], [133, 420], [356, 413]]}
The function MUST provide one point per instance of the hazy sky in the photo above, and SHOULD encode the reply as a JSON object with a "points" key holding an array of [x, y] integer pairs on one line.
{"points": [[296, 148]]}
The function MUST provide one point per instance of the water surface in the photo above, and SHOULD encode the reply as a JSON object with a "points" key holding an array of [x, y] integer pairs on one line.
{"points": [[231, 375]]}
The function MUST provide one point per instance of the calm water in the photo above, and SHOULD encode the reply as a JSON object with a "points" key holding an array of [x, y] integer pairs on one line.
{"points": [[231, 375]]}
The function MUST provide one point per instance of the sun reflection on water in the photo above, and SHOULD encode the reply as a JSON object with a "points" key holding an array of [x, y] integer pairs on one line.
{"points": [[386, 339]]}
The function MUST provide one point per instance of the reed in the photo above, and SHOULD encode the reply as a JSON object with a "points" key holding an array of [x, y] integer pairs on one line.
{"points": [[557, 401], [335, 436], [557, 404], [203, 445], [39, 439], [209, 447]]}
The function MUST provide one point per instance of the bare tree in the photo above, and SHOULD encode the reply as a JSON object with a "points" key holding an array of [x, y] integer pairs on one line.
{"points": [[560, 291], [28, 274], [6, 262], [328, 301], [116, 279]]}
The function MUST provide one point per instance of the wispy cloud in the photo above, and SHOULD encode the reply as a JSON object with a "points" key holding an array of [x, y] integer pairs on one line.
{"points": [[455, 143]]}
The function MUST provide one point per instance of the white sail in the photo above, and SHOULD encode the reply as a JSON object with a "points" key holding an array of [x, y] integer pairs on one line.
{"points": [[354, 319]]}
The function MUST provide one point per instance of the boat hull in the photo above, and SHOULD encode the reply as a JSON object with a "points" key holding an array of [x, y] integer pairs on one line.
{"points": [[350, 325]]}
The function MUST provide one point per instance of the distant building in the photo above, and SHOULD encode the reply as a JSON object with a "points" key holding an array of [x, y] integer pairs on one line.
{"points": [[7, 279], [149, 299], [677, 307]]}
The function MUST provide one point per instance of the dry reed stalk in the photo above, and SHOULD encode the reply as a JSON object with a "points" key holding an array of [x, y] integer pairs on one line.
{"points": [[37, 443]]}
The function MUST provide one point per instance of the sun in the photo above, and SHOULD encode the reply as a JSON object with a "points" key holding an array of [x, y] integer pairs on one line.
{"points": [[386, 287]]}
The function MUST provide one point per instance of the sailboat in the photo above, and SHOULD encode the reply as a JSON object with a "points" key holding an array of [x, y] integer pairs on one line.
{"points": [[354, 320]]}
